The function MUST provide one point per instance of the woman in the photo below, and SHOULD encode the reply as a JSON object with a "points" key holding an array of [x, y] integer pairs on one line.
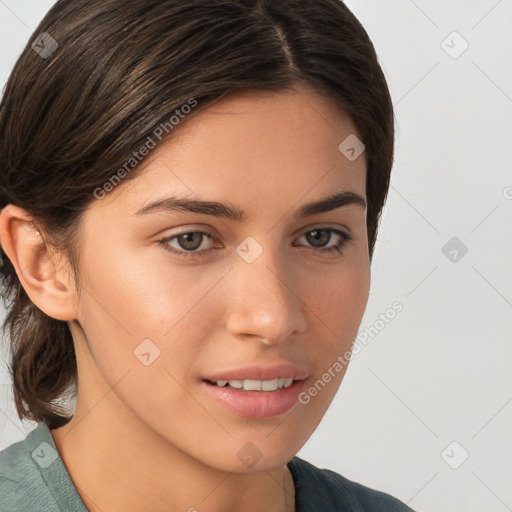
{"points": [[191, 193]]}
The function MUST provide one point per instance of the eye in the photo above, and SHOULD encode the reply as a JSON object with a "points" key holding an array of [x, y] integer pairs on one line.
{"points": [[320, 237], [191, 244], [188, 244]]}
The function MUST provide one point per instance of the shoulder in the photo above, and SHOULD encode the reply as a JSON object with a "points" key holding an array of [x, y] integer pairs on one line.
{"points": [[22, 486], [319, 490]]}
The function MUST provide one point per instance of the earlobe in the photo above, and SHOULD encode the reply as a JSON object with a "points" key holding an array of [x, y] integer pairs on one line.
{"points": [[43, 274]]}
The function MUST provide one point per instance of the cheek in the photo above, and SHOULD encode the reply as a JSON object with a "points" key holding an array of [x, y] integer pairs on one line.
{"points": [[338, 299], [146, 332], [128, 300], [338, 307]]}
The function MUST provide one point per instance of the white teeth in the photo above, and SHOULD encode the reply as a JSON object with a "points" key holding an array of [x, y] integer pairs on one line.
{"points": [[252, 385], [257, 385], [269, 385]]}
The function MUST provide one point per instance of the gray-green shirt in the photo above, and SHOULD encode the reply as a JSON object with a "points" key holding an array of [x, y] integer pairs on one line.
{"points": [[33, 478]]}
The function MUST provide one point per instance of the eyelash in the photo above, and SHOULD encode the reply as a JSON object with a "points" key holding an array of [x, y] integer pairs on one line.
{"points": [[346, 238]]}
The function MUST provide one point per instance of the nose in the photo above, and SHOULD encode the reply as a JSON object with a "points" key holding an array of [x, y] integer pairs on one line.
{"points": [[265, 301]]}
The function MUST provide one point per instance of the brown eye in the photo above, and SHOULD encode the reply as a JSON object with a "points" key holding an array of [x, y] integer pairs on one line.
{"points": [[318, 237], [190, 241], [187, 244]]}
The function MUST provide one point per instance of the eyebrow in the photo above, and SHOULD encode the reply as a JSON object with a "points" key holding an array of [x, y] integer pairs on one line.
{"points": [[232, 212]]}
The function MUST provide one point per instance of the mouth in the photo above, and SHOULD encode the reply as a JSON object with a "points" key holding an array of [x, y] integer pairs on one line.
{"points": [[254, 384], [255, 399]]}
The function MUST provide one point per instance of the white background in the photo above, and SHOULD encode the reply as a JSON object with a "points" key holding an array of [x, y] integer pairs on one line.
{"points": [[439, 372]]}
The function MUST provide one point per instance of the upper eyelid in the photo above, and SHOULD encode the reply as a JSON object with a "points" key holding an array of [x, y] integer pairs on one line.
{"points": [[298, 232], [343, 232], [306, 229]]}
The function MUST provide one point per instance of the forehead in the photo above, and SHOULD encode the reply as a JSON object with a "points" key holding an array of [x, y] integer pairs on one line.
{"points": [[299, 112], [254, 146]]}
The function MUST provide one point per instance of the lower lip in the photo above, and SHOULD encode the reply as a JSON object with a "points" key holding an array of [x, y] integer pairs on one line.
{"points": [[256, 404]]}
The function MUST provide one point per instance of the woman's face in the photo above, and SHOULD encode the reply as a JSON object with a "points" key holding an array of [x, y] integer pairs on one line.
{"points": [[262, 294]]}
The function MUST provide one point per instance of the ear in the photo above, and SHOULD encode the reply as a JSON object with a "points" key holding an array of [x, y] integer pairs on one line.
{"points": [[44, 274]]}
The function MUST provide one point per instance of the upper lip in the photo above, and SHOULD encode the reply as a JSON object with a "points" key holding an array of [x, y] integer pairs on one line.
{"points": [[259, 372]]}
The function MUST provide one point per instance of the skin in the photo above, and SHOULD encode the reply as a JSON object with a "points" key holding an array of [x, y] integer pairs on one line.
{"points": [[138, 428]]}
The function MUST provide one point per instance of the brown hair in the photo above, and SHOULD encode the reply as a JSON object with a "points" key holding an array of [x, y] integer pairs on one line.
{"points": [[71, 118]]}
